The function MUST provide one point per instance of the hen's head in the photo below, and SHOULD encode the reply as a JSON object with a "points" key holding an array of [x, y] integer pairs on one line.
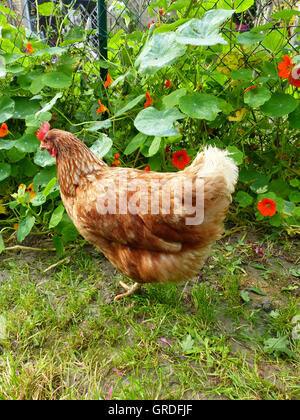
{"points": [[55, 140]]}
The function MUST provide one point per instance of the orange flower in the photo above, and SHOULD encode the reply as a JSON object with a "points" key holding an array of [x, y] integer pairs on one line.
{"points": [[29, 190], [150, 101], [267, 207], [3, 130], [147, 169], [285, 67], [180, 159], [108, 81], [16, 225], [102, 108], [251, 87], [29, 49], [151, 23], [161, 12], [116, 162]]}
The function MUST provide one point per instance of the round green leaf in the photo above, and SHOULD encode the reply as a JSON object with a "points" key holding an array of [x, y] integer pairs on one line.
{"points": [[294, 118], [101, 146], [42, 158], [160, 51], [242, 74], [28, 143], [200, 105], [204, 31], [7, 108], [25, 107], [25, 227], [173, 99], [158, 123], [244, 199], [257, 96], [248, 38], [294, 196], [5, 171], [57, 80], [279, 104]]}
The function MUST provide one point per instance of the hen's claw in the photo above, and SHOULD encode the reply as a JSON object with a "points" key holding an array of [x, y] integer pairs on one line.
{"points": [[130, 290]]}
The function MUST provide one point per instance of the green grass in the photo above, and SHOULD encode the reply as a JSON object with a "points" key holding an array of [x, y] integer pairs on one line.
{"points": [[63, 337]]}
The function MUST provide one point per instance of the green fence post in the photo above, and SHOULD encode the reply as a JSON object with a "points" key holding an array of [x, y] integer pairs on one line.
{"points": [[102, 34]]}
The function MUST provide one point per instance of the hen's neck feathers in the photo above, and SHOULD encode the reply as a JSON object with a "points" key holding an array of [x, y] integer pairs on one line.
{"points": [[74, 162]]}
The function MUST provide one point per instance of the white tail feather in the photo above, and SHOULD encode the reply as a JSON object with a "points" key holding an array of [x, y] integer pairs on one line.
{"points": [[213, 161]]}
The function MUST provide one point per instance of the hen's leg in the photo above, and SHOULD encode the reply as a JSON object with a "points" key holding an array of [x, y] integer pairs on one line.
{"points": [[130, 290]]}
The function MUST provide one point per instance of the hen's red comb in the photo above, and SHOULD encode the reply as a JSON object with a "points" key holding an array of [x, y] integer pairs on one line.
{"points": [[43, 130]]}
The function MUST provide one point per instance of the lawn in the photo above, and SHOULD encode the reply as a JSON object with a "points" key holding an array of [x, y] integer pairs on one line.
{"points": [[227, 334]]}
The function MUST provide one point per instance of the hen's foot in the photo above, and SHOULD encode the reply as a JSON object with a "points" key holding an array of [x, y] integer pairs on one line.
{"points": [[130, 290]]}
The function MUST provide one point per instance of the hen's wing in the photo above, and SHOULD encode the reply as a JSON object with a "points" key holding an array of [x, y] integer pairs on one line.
{"points": [[145, 223]]}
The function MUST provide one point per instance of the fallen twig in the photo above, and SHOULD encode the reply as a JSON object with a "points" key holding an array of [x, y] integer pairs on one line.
{"points": [[27, 248], [67, 259]]}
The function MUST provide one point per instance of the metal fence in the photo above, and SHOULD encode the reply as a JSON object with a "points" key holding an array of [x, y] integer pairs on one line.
{"points": [[106, 18]]}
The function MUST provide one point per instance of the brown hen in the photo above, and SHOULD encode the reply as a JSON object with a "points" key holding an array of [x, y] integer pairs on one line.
{"points": [[153, 227]]}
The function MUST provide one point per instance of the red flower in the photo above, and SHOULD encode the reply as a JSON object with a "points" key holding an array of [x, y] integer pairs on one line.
{"points": [[147, 168], [285, 67], [150, 101], [108, 81], [167, 84], [180, 159], [151, 23], [161, 12], [43, 130], [294, 77], [267, 207], [29, 49], [251, 87], [3, 130], [116, 162]]}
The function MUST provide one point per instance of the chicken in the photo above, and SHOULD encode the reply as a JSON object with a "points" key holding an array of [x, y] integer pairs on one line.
{"points": [[153, 227]]}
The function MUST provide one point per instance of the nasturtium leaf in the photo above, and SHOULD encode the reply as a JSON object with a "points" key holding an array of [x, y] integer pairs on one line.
{"points": [[15, 155], [27, 143], [38, 200], [25, 107], [257, 96], [75, 34], [35, 121], [200, 106], [46, 9], [279, 104], [295, 182], [24, 228], [248, 38], [294, 118], [294, 196], [11, 57], [236, 154], [37, 84], [240, 5], [288, 208], [155, 145], [7, 108], [204, 31], [101, 146], [260, 185], [160, 51], [242, 74], [130, 105], [5, 171], [49, 104], [58, 80], [158, 123], [244, 199], [6, 144], [285, 14], [98, 125], [42, 158], [173, 98], [58, 244], [135, 143]]}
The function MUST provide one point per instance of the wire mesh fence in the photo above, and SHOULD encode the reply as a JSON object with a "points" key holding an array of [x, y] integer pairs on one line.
{"points": [[103, 20]]}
